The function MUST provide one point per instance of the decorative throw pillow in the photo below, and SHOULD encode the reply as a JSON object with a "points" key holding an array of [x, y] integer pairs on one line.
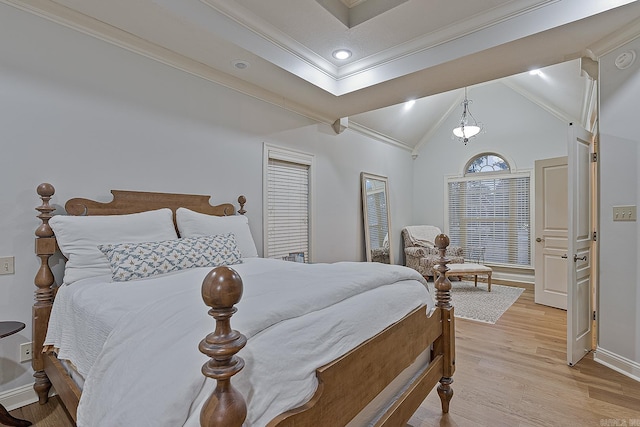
{"points": [[138, 260], [192, 224], [78, 238]]}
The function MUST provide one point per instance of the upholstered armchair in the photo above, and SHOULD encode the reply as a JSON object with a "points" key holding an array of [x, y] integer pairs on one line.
{"points": [[380, 255], [420, 252]]}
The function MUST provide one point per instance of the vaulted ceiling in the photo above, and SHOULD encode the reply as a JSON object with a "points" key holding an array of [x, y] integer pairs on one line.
{"points": [[281, 51]]}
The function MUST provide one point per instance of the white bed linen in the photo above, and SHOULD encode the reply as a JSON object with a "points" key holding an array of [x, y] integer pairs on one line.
{"points": [[147, 373]]}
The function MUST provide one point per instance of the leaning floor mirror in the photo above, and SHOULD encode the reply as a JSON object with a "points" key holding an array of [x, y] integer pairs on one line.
{"points": [[377, 218]]}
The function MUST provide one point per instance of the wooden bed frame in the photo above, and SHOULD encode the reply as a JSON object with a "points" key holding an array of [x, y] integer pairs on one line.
{"points": [[345, 386]]}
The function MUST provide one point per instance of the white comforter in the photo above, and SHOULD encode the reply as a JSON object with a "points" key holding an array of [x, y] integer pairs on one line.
{"points": [[141, 362]]}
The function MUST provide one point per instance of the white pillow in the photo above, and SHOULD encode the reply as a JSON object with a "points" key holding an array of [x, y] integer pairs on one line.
{"points": [[195, 224], [79, 236], [131, 261]]}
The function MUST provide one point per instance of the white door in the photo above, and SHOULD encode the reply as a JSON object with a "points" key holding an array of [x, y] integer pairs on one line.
{"points": [[552, 219], [579, 301]]}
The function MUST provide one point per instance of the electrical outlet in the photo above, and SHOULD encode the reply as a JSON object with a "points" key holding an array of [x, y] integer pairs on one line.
{"points": [[624, 213], [25, 352], [6, 265]]}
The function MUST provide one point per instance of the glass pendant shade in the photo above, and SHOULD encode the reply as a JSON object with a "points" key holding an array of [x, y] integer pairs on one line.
{"points": [[467, 131]]}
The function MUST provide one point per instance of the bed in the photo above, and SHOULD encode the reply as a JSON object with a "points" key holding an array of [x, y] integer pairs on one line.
{"points": [[363, 356]]}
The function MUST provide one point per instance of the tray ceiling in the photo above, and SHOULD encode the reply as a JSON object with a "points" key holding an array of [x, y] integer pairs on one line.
{"points": [[281, 51]]}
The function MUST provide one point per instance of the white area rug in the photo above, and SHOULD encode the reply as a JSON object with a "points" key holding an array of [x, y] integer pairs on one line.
{"points": [[477, 304]]}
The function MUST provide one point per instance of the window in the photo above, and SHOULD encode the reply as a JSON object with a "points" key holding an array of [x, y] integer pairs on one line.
{"points": [[287, 202], [490, 208]]}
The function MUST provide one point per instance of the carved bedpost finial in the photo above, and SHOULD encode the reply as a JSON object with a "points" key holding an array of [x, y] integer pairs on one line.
{"points": [[45, 191], [221, 290], [242, 200], [442, 283]]}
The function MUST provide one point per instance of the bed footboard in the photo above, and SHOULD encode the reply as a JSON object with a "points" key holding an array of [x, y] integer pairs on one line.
{"points": [[349, 383]]}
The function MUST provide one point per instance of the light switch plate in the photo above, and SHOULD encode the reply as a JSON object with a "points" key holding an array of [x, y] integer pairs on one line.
{"points": [[6, 265], [624, 213]]}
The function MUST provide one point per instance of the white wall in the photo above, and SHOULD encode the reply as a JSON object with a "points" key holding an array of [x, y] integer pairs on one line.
{"points": [[88, 117], [619, 297]]}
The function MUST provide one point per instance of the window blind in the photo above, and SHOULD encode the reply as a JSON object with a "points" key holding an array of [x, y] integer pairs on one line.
{"points": [[493, 213], [377, 216], [287, 209]]}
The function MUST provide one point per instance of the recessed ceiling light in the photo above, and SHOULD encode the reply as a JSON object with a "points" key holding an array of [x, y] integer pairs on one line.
{"points": [[240, 64], [409, 104], [342, 54]]}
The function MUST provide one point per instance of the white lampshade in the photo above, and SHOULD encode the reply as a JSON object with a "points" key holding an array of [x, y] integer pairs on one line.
{"points": [[467, 131]]}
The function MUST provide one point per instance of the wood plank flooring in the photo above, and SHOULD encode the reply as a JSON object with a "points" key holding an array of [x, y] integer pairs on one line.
{"points": [[512, 373]]}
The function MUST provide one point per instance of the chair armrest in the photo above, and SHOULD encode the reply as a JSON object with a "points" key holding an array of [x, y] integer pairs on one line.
{"points": [[455, 251], [452, 251], [416, 251]]}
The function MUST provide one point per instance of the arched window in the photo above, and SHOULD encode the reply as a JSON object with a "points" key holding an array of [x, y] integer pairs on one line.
{"points": [[487, 162], [489, 209]]}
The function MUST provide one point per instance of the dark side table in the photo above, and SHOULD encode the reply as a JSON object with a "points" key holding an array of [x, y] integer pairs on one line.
{"points": [[6, 329]]}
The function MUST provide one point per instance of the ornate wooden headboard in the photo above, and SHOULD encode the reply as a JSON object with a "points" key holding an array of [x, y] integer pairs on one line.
{"points": [[124, 202], [128, 202]]}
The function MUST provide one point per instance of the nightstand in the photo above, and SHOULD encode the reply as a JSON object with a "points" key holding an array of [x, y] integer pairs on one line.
{"points": [[6, 329]]}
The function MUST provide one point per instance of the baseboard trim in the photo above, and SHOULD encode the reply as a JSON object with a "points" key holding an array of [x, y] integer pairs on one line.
{"points": [[618, 363], [18, 397], [513, 279]]}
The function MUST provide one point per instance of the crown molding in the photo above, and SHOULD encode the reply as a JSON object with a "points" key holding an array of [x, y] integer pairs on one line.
{"points": [[553, 109], [427, 136], [89, 26], [615, 40], [444, 35], [263, 29], [361, 129]]}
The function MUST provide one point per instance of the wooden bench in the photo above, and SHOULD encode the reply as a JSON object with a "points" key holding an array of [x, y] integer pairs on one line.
{"points": [[467, 269]]}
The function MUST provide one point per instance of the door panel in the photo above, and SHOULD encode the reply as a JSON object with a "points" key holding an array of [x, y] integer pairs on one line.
{"points": [[551, 228], [580, 243]]}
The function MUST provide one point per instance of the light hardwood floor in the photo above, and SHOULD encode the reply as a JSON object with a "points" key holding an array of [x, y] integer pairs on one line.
{"points": [[511, 374], [514, 373]]}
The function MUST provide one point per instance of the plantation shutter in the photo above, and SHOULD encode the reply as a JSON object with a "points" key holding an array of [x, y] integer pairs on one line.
{"points": [[287, 208], [492, 213]]}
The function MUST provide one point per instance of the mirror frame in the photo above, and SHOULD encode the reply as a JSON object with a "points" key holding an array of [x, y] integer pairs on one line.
{"points": [[364, 176]]}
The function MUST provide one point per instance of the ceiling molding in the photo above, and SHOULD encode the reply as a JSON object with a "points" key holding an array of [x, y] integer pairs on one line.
{"points": [[487, 30], [553, 109], [262, 29], [354, 12], [589, 103], [591, 106], [444, 35], [616, 39], [74, 20], [427, 136], [371, 133]]}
